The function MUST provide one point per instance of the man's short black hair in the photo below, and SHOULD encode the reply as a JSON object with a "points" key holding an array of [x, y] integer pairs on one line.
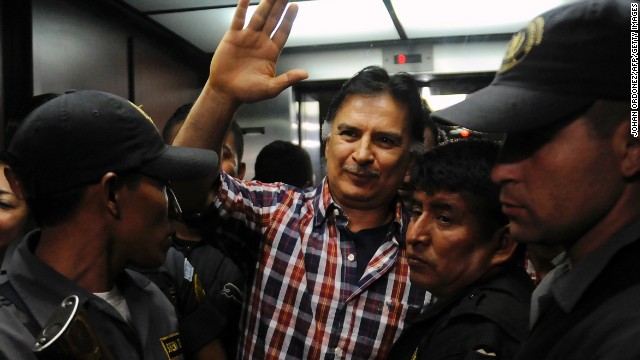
{"points": [[464, 167], [282, 161], [176, 120], [180, 115]]}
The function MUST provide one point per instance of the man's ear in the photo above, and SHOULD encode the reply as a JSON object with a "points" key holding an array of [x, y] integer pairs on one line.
{"points": [[326, 145], [109, 187], [14, 183], [505, 244]]}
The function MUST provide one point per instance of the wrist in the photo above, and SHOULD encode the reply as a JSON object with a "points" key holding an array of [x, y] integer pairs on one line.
{"points": [[220, 98]]}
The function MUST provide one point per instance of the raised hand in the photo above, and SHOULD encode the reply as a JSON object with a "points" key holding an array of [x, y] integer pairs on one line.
{"points": [[243, 68]]}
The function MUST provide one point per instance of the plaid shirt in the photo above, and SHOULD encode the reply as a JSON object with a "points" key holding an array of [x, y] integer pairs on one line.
{"points": [[306, 301]]}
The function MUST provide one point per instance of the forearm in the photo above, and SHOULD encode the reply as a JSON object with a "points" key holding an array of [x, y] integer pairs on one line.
{"points": [[242, 70]]}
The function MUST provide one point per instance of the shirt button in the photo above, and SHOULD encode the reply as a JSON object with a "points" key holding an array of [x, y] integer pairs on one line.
{"points": [[338, 352], [336, 212], [351, 257]]}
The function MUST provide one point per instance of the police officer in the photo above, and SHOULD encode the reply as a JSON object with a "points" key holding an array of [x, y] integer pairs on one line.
{"points": [[95, 173]]}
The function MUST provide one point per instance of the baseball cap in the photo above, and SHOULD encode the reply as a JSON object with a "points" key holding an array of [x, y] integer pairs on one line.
{"points": [[559, 64], [77, 137]]}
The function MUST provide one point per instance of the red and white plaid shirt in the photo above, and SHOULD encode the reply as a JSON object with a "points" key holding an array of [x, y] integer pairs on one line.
{"points": [[306, 301]]}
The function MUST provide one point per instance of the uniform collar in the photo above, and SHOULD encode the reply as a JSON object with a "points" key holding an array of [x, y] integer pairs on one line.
{"points": [[568, 286]]}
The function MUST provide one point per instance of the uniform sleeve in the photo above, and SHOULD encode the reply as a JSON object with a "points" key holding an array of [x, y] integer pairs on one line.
{"points": [[15, 340], [200, 327]]}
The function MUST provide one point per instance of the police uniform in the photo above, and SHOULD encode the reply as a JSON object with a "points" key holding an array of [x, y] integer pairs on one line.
{"points": [[152, 333], [490, 314]]}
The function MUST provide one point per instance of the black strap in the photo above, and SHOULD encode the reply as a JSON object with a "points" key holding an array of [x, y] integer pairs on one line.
{"points": [[621, 273], [9, 292]]}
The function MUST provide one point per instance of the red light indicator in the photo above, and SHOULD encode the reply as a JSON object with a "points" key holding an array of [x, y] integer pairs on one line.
{"points": [[465, 133], [402, 59]]}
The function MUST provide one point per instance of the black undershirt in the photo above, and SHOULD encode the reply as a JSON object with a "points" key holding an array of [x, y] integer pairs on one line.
{"points": [[367, 242]]}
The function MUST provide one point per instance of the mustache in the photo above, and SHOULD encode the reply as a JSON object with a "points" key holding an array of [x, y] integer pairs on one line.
{"points": [[362, 170]]}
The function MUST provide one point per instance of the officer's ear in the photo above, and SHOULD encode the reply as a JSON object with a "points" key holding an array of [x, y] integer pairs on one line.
{"points": [[505, 244], [630, 165], [14, 184], [109, 185]]}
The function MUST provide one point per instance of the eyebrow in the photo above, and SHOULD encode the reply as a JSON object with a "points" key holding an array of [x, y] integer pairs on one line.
{"points": [[439, 205], [394, 135], [341, 127]]}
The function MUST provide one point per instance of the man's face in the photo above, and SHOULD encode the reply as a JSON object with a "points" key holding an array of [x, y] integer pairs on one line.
{"points": [[229, 162], [557, 182], [446, 247], [367, 151], [145, 213]]}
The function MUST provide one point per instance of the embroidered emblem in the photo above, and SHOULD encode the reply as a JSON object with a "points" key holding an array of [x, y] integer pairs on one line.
{"points": [[522, 43]]}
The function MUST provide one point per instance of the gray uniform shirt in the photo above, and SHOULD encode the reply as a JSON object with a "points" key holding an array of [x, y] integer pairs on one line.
{"points": [[612, 329], [152, 334]]}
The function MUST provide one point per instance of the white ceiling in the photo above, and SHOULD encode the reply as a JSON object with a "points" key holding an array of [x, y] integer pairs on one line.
{"points": [[325, 22]]}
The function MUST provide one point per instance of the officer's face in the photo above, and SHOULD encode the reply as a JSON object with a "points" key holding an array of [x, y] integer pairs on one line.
{"points": [[146, 227], [559, 181]]}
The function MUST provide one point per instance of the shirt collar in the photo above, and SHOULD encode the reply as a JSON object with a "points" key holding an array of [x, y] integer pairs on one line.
{"points": [[42, 288], [327, 208]]}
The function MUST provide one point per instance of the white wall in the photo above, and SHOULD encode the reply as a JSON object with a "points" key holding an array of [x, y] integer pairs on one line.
{"points": [[326, 64]]}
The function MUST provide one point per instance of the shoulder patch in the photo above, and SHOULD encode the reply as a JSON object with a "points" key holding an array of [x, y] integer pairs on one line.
{"points": [[172, 346]]}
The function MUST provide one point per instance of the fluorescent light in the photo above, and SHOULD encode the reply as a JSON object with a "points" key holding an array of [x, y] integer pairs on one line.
{"points": [[437, 102], [311, 144], [308, 126], [322, 22]]}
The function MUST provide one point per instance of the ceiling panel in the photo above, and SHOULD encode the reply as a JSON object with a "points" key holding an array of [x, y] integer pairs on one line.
{"points": [[325, 22], [203, 28], [436, 18], [167, 5], [319, 22]]}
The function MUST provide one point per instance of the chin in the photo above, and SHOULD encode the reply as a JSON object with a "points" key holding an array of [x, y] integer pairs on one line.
{"points": [[420, 282]]}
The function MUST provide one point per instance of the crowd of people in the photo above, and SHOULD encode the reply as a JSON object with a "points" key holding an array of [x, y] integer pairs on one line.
{"points": [[411, 247]]}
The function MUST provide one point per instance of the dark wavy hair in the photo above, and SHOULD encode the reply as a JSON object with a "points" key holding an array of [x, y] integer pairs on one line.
{"points": [[373, 80]]}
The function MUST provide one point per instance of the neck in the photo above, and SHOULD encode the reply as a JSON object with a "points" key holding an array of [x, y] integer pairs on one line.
{"points": [[73, 250], [360, 219], [625, 212]]}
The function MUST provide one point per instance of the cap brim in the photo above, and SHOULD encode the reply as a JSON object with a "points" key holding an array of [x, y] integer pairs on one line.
{"points": [[182, 164], [503, 108]]}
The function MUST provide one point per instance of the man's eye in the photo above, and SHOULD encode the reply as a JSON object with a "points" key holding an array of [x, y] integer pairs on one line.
{"points": [[6, 206], [415, 212], [389, 141], [444, 219]]}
